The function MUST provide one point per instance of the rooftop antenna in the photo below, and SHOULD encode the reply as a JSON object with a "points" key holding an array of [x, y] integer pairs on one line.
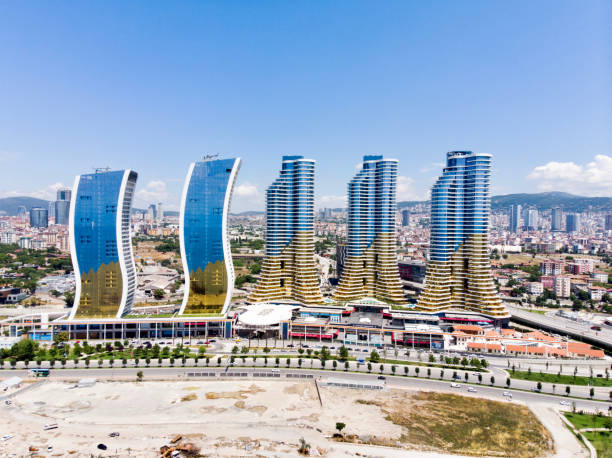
{"points": [[209, 157], [101, 169]]}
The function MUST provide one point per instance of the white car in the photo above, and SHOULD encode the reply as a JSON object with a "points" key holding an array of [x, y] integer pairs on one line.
{"points": [[471, 389], [6, 437], [564, 403], [454, 385], [507, 393]]}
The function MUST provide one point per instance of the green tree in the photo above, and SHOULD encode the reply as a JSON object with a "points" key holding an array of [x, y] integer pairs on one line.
{"points": [[69, 298], [374, 356], [60, 337], [139, 376], [159, 294], [343, 353], [340, 426]]}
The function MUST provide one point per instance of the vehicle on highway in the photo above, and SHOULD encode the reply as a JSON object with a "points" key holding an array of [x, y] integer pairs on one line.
{"points": [[114, 434], [471, 389], [507, 393], [596, 328], [49, 426], [564, 403], [454, 385], [6, 437], [382, 377]]}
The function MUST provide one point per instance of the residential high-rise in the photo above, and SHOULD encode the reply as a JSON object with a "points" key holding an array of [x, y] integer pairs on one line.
{"points": [[205, 246], [151, 213], [39, 217], [101, 245], [405, 217], [62, 206], [531, 219], [371, 268], [289, 270], [458, 272], [160, 213], [556, 219], [572, 222], [515, 218], [608, 224]]}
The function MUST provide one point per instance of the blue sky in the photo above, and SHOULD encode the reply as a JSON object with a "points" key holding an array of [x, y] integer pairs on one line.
{"points": [[155, 85]]}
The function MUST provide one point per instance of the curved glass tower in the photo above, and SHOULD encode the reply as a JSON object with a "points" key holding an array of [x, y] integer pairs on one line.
{"points": [[205, 247], [101, 245], [458, 272], [370, 269], [289, 270]]}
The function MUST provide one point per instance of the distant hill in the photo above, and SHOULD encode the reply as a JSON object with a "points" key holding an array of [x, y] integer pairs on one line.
{"points": [[410, 203], [249, 213], [542, 201], [9, 205], [547, 200]]}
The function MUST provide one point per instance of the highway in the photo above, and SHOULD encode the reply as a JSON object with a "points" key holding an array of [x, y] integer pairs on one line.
{"points": [[563, 326], [360, 371]]}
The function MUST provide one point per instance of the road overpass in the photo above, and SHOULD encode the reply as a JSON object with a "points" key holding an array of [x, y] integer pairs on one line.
{"points": [[563, 326]]}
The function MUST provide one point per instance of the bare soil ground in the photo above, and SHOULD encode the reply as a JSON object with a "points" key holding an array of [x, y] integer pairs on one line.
{"points": [[264, 418]]}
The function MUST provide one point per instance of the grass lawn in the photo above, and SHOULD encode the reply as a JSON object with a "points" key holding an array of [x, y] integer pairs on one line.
{"points": [[602, 441], [583, 420], [562, 379], [463, 425], [541, 312]]}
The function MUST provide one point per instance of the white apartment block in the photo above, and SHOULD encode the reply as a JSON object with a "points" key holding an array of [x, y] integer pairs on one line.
{"points": [[562, 286]]}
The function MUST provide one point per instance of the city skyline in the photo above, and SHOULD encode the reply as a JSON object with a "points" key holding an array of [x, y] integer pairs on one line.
{"points": [[334, 95]]}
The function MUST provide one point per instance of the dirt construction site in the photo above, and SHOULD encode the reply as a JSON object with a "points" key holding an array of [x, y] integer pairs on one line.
{"points": [[264, 418]]}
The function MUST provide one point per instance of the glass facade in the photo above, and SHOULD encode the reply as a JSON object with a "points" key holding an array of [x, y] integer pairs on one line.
{"points": [[101, 244], [204, 243], [371, 264], [289, 271], [458, 273], [39, 217]]}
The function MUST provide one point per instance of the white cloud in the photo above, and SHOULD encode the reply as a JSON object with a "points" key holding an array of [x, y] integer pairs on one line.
{"points": [[155, 191], [331, 201], [592, 179], [405, 189], [48, 193], [247, 190], [247, 198], [431, 167]]}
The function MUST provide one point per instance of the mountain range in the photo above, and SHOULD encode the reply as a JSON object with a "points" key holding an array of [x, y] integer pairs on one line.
{"points": [[541, 201], [10, 205]]}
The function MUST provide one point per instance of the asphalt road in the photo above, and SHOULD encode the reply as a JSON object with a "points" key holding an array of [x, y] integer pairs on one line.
{"points": [[422, 382], [564, 326]]}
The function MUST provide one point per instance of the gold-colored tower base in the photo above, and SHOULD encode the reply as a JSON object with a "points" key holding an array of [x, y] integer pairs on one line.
{"points": [[101, 292], [373, 274], [291, 275], [465, 281]]}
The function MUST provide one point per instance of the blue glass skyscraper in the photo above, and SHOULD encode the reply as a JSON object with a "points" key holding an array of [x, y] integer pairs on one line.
{"points": [[205, 247], [288, 270], [458, 273], [101, 245], [371, 263]]}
